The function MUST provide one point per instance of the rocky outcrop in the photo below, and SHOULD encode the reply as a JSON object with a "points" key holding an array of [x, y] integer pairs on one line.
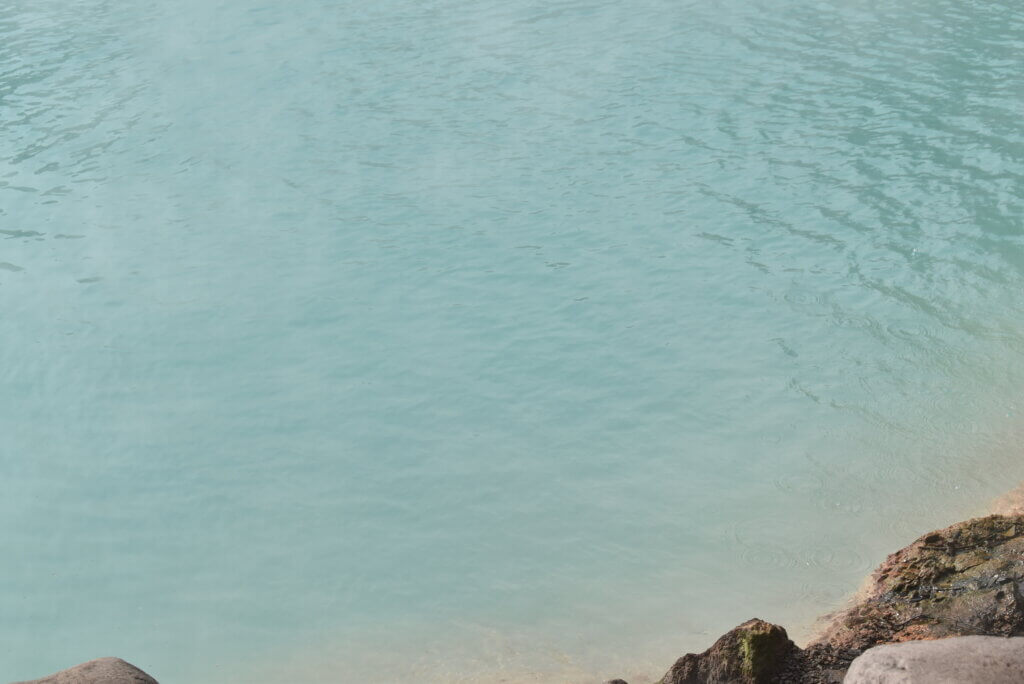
{"points": [[962, 580], [966, 579], [100, 671], [752, 653], [957, 660]]}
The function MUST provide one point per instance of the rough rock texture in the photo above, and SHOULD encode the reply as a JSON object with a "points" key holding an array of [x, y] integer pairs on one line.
{"points": [[966, 579], [958, 660], [816, 664], [100, 671], [752, 653], [963, 580]]}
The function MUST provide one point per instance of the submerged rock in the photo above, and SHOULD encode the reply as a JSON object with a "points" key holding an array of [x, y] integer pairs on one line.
{"points": [[957, 660], [752, 653], [1011, 503], [100, 671]]}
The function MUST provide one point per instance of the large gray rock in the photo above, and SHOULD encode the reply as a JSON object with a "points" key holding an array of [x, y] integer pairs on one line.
{"points": [[957, 660], [99, 671]]}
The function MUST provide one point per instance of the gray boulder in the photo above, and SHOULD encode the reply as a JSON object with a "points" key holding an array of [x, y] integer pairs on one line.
{"points": [[99, 671], [957, 660]]}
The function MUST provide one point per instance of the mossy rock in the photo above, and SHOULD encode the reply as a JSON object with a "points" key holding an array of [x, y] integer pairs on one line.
{"points": [[752, 653]]}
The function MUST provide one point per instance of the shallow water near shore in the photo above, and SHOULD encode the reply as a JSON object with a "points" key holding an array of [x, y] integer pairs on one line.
{"points": [[467, 341]]}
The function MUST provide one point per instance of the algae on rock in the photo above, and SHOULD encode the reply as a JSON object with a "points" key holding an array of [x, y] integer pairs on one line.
{"points": [[752, 653]]}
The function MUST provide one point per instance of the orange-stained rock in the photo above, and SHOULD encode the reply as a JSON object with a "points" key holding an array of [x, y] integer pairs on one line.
{"points": [[962, 580]]}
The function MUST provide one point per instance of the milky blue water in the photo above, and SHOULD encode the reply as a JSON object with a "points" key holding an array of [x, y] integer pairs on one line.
{"points": [[481, 341]]}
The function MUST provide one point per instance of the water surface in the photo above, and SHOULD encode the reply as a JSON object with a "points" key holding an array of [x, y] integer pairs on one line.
{"points": [[453, 341]]}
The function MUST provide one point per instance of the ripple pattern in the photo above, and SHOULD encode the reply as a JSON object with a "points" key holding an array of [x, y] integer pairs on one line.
{"points": [[488, 334]]}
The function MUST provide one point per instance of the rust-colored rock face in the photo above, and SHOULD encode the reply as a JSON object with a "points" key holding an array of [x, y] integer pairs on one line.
{"points": [[752, 653], [959, 581]]}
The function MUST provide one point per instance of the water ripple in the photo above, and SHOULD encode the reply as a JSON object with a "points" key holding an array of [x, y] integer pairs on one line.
{"points": [[555, 316]]}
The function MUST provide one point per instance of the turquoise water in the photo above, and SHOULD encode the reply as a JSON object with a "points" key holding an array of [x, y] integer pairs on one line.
{"points": [[475, 341]]}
